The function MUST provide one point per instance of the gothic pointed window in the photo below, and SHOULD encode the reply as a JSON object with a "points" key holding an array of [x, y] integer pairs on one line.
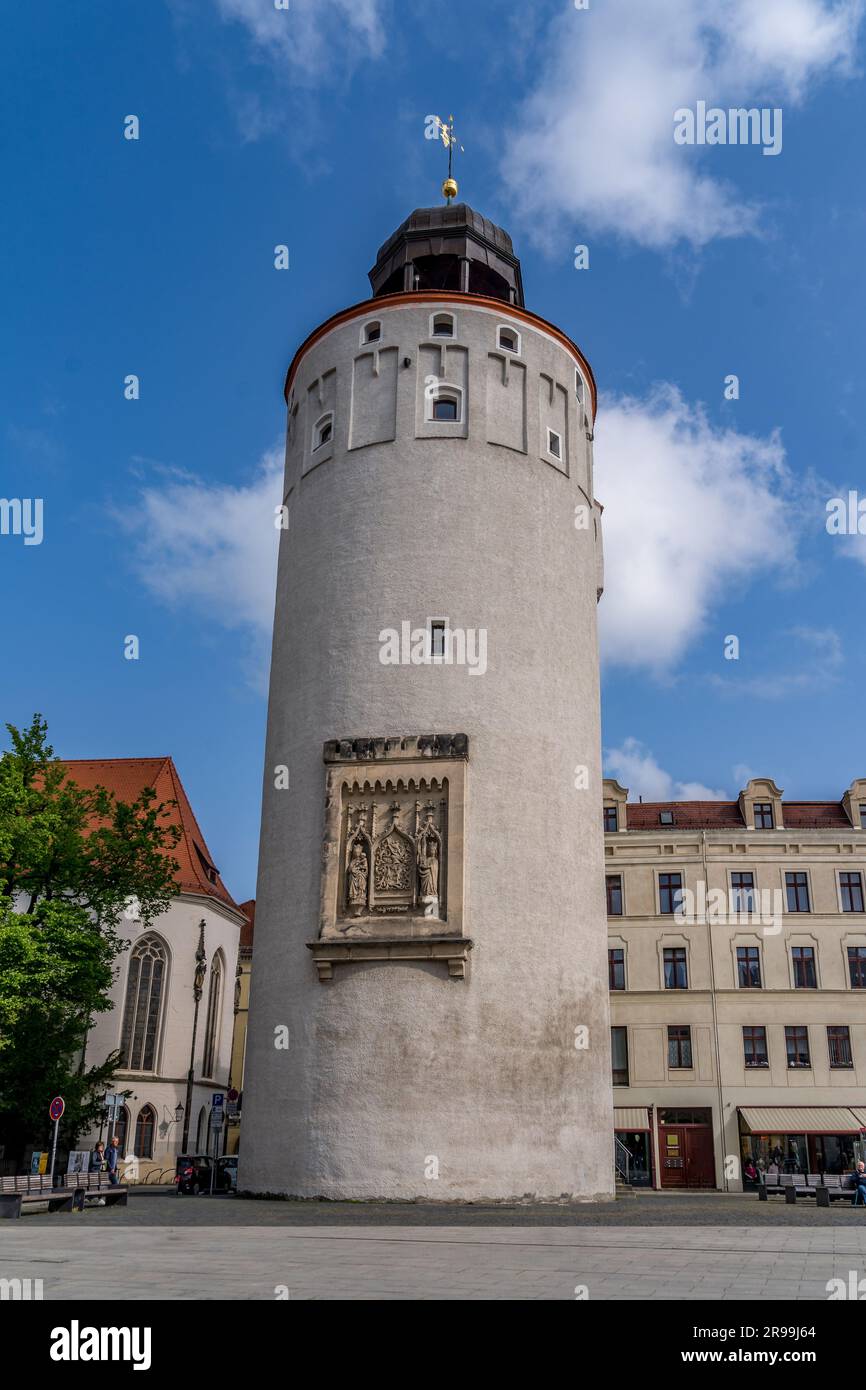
{"points": [[142, 1012], [144, 1127], [214, 1000]]}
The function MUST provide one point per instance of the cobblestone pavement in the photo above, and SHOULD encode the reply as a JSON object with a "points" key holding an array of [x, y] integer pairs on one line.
{"points": [[647, 1247], [112, 1261], [161, 1207]]}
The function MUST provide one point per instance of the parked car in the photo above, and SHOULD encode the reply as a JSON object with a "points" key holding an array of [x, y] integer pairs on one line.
{"points": [[192, 1174]]}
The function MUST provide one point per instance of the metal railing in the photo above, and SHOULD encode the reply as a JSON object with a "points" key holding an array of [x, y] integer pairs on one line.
{"points": [[621, 1160]]}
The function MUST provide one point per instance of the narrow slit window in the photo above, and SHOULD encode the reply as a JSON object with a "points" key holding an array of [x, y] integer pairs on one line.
{"points": [[323, 432], [437, 639], [554, 444]]}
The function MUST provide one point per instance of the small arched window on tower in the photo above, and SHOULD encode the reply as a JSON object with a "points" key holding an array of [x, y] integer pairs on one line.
{"points": [[554, 444], [323, 431], [445, 404], [372, 332], [509, 340], [442, 326]]}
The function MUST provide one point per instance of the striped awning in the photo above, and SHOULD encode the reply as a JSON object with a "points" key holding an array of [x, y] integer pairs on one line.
{"points": [[800, 1119], [859, 1114], [634, 1117]]}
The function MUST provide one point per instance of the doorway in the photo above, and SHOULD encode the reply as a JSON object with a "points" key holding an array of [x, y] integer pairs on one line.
{"points": [[686, 1148]]}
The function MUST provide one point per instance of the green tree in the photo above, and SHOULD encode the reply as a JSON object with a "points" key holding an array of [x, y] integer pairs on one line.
{"points": [[71, 860]]}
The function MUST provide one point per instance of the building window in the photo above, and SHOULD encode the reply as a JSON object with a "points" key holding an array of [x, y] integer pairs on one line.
{"points": [[619, 1055], [611, 819], [201, 1131], [616, 968], [666, 817], [444, 404], [323, 432], [509, 339], [143, 1006], [214, 999], [442, 326], [763, 815], [679, 1048], [839, 1044], [742, 892], [613, 885], [857, 966], [670, 893], [755, 1047], [578, 386], [372, 331], [749, 967], [144, 1127], [797, 1046], [797, 891], [862, 815], [554, 444], [805, 976], [437, 639], [851, 888], [676, 973]]}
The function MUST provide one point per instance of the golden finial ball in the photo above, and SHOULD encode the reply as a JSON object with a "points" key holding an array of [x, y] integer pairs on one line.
{"points": [[449, 188]]}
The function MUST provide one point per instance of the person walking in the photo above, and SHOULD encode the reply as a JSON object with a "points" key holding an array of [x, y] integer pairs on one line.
{"points": [[97, 1158], [860, 1185]]}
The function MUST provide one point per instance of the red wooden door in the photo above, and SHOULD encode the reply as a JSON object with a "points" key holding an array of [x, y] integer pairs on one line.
{"points": [[700, 1164], [673, 1155]]}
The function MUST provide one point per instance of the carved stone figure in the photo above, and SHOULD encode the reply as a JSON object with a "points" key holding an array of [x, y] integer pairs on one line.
{"points": [[393, 864], [357, 877], [428, 866]]}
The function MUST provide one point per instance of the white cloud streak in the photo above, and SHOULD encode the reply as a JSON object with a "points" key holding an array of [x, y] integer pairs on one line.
{"points": [[635, 767]]}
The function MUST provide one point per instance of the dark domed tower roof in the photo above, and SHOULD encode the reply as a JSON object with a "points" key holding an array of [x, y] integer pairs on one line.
{"points": [[451, 247]]}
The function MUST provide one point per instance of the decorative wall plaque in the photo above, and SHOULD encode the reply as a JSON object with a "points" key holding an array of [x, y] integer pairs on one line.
{"points": [[392, 874]]}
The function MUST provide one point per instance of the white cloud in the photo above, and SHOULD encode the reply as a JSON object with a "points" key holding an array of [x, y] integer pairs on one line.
{"points": [[634, 767], [311, 36], [592, 148], [211, 549], [690, 511]]}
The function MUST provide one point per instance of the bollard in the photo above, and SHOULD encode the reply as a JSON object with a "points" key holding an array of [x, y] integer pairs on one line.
{"points": [[790, 1195], [762, 1192], [822, 1196]]}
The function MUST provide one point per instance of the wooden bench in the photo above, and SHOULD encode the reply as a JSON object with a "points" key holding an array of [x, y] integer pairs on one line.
{"points": [[70, 1194], [88, 1187], [16, 1192]]}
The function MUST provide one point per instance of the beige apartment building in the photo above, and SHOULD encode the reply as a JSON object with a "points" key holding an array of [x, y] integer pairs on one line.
{"points": [[737, 972]]}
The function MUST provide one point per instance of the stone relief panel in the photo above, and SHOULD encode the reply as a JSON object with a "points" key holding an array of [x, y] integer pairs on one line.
{"points": [[393, 850]]}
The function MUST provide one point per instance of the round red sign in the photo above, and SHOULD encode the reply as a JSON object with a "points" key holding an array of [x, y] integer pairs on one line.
{"points": [[57, 1107]]}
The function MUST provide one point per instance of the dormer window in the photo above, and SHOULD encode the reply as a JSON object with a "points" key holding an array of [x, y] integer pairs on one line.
{"points": [[442, 326], [666, 817], [554, 444], [509, 340], [763, 815], [372, 332], [323, 432]]}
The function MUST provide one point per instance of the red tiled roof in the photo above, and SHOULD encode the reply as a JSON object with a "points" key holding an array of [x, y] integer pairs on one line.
{"points": [[723, 815], [249, 910], [127, 778]]}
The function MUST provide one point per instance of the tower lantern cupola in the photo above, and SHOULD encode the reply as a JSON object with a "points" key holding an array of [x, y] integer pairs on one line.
{"points": [[449, 248]]}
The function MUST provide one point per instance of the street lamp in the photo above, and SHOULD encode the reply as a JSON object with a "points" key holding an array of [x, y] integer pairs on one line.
{"points": [[197, 986]]}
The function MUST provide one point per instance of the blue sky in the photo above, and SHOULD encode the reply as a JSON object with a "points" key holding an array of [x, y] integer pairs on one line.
{"points": [[306, 127]]}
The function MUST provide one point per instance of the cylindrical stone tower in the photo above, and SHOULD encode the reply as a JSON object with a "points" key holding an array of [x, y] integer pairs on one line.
{"points": [[429, 1012]]}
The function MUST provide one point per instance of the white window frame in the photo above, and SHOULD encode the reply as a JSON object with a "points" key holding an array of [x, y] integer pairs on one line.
{"points": [[371, 342], [317, 441], [507, 328], [551, 435], [445, 390], [443, 314]]}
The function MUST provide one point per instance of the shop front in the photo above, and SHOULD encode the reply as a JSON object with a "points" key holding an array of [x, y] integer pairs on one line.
{"points": [[798, 1139], [632, 1129]]}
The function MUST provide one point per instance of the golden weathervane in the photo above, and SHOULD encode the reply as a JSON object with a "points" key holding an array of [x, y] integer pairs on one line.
{"points": [[449, 140]]}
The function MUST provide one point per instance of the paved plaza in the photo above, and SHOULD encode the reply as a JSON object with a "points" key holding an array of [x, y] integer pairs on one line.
{"points": [[648, 1247]]}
